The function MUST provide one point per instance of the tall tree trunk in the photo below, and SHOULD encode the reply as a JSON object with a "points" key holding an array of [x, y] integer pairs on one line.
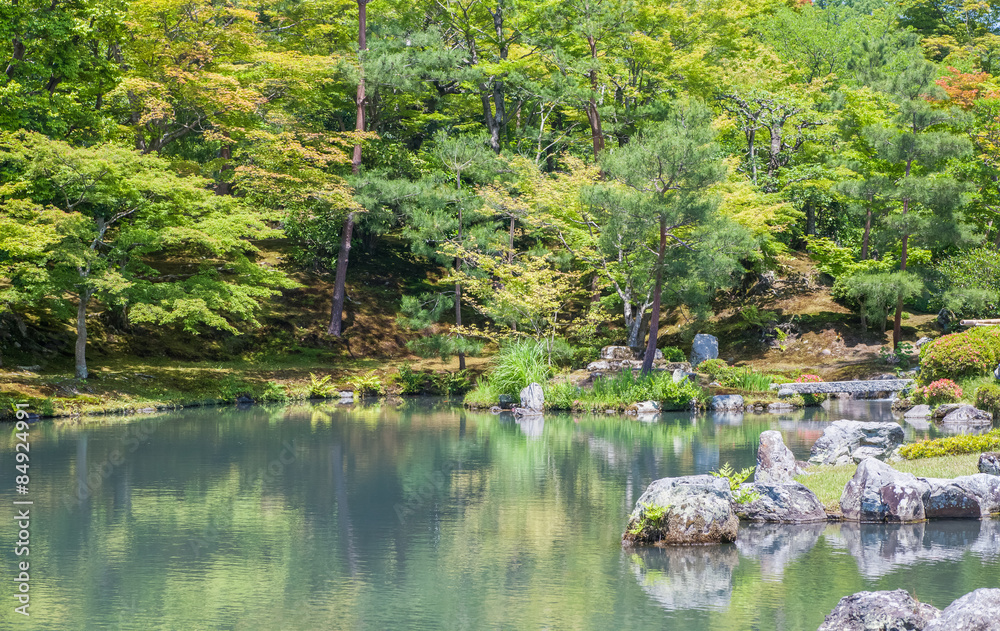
{"points": [[868, 231], [81, 333], [654, 317], [593, 116], [340, 279], [810, 219], [222, 187]]}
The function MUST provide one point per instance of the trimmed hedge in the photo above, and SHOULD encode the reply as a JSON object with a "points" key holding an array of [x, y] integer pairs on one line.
{"points": [[952, 446], [970, 353]]}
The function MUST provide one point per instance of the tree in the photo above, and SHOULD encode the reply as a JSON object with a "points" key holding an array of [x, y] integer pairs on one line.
{"points": [[116, 210], [668, 166]]}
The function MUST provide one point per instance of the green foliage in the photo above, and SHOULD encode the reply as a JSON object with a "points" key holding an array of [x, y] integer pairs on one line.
{"points": [[952, 445], [367, 384], [874, 295], [232, 387], [427, 382], [519, 363], [412, 381], [444, 346], [965, 354], [273, 392], [716, 369], [736, 479], [650, 522], [673, 354], [971, 282], [988, 398], [748, 379], [320, 388], [830, 258]]}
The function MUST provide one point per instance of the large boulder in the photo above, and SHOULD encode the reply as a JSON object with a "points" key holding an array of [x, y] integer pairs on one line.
{"points": [[791, 503], [618, 352], [695, 509], [775, 461], [731, 402], [965, 497], [880, 611], [918, 411], [976, 611], [968, 415], [532, 398], [942, 410], [878, 493], [844, 442], [989, 463], [704, 347]]}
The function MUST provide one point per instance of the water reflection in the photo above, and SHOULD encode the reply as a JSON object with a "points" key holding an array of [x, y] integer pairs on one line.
{"points": [[687, 577]]}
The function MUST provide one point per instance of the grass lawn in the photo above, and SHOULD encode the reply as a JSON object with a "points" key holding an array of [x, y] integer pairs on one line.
{"points": [[828, 482]]}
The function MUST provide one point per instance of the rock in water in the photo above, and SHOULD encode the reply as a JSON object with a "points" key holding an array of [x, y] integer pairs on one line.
{"points": [[989, 463], [696, 509], [976, 611], [775, 461], [882, 611], [704, 347], [965, 497], [532, 398], [732, 402], [918, 411], [967, 415], [647, 407], [844, 442], [879, 493], [791, 503]]}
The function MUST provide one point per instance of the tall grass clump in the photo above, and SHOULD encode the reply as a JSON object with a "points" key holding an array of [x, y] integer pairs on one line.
{"points": [[626, 388], [517, 364]]}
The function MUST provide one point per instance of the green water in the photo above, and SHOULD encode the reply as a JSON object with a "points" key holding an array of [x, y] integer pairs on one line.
{"points": [[430, 517]]}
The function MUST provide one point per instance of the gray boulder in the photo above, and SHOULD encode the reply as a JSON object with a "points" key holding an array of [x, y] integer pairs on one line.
{"points": [[733, 402], [532, 398], [965, 497], [942, 410], [775, 461], [919, 343], [680, 375], [967, 415], [976, 611], [989, 463], [880, 611], [617, 352], [879, 493], [699, 509], [704, 347], [918, 411], [844, 442], [647, 407], [791, 503]]}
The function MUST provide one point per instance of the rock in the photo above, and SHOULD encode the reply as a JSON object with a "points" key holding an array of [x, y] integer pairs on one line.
{"points": [[506, 402], [921, 342], [880, 611], [965, 497], [844, 442], [680, 375], [346, 395], [672, 366], [790, 503], [704, 347], [976, 611], [532, 398], [945, 317], [727, 402], [877, 493], [775, 408], [996, 372], [775, 462], [989, 463], [647, 407], [918, 411], [967, 415], [699, 509], [617, 352], [942, 410], [826, 351]]}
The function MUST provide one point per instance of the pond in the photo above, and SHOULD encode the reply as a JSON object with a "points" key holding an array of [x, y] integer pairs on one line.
{"points": [[426, 516]]}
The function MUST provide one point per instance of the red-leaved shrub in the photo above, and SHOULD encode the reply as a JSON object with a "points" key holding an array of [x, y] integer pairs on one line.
{"points": [[967, 354]]}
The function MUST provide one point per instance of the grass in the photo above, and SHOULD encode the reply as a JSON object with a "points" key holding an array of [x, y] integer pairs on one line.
{"points": [[828, 482]]}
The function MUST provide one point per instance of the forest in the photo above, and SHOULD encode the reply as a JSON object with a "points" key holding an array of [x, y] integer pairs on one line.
{"points": [[579, 171]]}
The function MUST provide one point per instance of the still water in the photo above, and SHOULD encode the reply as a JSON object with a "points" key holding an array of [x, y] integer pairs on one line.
{"points": [[426, 516]]}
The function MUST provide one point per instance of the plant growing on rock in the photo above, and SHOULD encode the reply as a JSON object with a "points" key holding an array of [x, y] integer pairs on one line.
{"points": [[649, 527], [736, 479]]}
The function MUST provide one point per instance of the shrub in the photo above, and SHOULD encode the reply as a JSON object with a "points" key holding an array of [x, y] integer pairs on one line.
{"points": [[320, 388], [714, 368], [519, 363], [873, 295], [561, 352], [368, 383], [967, 354], [448, 383], [483, 395], [988, 398], [972, 282], [952, 446], [748, 379], [274, 392], [673, 354], [938, 392], [412, 381], [561, 395]]}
